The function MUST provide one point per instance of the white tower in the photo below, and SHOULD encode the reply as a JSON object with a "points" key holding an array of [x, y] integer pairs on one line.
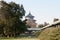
{"points": [[30, 16], [30, 21]]}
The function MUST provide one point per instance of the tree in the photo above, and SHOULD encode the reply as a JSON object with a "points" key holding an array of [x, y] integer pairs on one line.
{"points": [[45, 23], [40, 25], [55, 19], [10, 19]]}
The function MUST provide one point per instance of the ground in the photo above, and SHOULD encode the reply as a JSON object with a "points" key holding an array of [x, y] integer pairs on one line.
{"points": [[21, 39]]}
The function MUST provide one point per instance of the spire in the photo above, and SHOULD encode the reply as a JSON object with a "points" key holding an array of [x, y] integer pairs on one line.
{"points": [[29, 12]]}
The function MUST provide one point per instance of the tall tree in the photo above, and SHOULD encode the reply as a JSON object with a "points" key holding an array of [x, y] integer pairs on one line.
{"points": [[11, 14]]}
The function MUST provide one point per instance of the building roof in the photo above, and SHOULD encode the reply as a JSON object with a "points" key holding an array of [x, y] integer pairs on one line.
{"points": [[30, 15]]}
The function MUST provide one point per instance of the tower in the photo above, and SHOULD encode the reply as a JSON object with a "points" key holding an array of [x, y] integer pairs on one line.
{"points": [[30, 20], [30, 16]]}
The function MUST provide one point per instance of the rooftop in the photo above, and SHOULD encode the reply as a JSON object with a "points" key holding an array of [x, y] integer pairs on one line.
{"points": [[30, 15]]}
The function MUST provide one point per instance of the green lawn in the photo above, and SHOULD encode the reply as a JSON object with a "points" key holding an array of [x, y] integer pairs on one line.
{"points": [[20, 39]]}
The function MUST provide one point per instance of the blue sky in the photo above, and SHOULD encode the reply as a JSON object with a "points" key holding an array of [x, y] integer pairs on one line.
{"points": [[43, 10]]}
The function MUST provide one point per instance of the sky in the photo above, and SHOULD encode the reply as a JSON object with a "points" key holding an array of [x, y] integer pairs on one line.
{"points": [[43, 10]]}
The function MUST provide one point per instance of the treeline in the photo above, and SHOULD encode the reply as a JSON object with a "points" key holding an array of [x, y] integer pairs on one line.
{"points": [[11, 24], [45, 23]]}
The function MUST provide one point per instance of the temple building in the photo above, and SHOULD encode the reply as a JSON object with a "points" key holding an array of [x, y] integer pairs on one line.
{"points": [[31, 23]]}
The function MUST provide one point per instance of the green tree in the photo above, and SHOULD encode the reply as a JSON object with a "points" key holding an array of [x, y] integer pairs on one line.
{"points": [[10, 20], [55, 19]]}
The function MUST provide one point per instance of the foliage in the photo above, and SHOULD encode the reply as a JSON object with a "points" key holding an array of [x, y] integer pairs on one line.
{"points": [[40, 25], [43, 25], [55, 19], [37, 33], [10, 19]]}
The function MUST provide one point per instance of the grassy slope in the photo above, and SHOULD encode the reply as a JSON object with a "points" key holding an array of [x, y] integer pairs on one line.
{"points": [[52, 33]]}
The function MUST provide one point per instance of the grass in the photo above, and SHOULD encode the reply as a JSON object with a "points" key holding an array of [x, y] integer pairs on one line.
{"points": [[52, 33], [20, 39]]}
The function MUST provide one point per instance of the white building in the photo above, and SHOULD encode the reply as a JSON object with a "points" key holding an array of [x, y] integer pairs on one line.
{"points": [[30, 21]]}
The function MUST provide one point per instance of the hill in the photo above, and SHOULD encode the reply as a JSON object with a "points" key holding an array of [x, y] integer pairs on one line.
{"points": [[52, 33]]}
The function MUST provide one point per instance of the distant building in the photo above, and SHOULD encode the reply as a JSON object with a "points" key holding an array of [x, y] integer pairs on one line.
{"points": [[30, 21]]}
